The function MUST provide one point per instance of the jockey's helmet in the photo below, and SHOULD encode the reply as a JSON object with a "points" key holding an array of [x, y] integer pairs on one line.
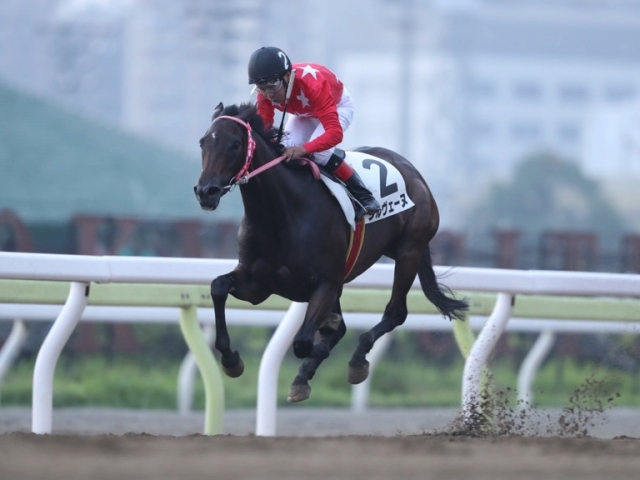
{"points": [[268, 63]]}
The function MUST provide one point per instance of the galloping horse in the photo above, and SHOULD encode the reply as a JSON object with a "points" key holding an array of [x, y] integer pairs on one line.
{"points": [[293, 242]]}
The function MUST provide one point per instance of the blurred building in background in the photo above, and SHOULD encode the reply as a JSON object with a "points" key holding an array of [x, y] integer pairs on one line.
{"points": [[182, 58], [68, 51], [464, 88], [475, 86]]}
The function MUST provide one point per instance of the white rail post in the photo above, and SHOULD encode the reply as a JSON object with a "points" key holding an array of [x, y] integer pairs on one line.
{"points": [[12, 346], [530, 367], [475, 363], [48, 356], [267, 403], [209, 369]]}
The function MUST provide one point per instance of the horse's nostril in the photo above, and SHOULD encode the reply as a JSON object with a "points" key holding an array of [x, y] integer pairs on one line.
{"points": [[210, 191], [206, 192]]}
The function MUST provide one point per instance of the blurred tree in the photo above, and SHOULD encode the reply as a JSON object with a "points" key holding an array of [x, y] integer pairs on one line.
{"points": [[546, 192]]}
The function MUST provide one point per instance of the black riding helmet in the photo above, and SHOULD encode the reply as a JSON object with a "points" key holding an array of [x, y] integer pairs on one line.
{"points": [[268, 63]]}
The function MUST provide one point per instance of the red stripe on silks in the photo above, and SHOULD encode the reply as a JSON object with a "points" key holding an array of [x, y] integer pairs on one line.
{"points": [[355, 245]]}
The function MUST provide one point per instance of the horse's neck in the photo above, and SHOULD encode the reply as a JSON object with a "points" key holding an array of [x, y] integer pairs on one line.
{"points": [[265, 189], [273, 190]]}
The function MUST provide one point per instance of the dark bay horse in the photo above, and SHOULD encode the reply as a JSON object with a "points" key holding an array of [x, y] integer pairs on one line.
{"points": [[293, 242]]}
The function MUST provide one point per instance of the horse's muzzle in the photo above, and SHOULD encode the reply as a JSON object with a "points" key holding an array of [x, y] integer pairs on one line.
{"points": [[208, 196]]}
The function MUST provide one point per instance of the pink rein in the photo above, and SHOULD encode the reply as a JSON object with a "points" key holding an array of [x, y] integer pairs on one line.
{"points": [[243, 177]]}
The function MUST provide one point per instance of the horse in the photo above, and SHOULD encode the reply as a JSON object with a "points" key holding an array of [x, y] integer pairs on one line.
{"points": [[294, 238]]}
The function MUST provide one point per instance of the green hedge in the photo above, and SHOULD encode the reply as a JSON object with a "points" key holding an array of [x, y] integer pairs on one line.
{"points": [[406, 377]]}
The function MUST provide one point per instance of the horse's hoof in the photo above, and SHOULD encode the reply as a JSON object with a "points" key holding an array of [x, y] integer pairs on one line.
{"points": [[235, 371], [302, 348], [358, 374], [234, 367], [298, 393]]}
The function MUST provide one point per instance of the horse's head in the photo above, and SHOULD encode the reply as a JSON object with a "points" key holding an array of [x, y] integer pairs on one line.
{"points": [[226, 152]]}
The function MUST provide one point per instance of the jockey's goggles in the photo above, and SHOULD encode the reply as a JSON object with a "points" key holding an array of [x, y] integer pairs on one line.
{"points": [[270, 85]]}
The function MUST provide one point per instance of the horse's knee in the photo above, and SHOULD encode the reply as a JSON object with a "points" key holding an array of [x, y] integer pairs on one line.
{"points": [[302, 347], [395, 314], [220, 286], [331, 337]]}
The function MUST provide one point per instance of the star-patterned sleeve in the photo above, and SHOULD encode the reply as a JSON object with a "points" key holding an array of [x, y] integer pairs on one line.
{"points": [[266, 111], [325, 106]]}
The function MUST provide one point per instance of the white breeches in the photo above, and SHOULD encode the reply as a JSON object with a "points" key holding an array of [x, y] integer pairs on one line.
{"points": [[300, 130]]}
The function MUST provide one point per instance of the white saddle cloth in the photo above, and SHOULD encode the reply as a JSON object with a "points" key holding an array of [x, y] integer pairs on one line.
{"points": [[381, 178]]}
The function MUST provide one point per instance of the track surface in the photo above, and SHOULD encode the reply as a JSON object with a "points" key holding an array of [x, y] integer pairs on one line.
{"points": [[316, 443]]}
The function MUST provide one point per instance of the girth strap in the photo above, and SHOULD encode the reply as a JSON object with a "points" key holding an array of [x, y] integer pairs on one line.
{"points": [[355, 245]]}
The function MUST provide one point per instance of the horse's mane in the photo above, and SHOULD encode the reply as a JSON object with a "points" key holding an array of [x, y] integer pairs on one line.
{"points": [[249, 113]]}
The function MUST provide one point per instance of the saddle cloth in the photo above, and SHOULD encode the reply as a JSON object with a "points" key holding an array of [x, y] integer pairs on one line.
{"points": [[381, 178]]}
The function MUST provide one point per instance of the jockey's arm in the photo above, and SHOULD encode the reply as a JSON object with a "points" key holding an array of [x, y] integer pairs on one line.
{"points": [[327, 111], [331, 137]]}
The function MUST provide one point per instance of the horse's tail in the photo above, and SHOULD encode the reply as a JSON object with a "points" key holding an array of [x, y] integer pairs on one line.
{"points": [[448, 305]]}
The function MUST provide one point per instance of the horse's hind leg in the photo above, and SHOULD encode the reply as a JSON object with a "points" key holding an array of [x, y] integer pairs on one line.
{"points": [[240, 284], [328, 335], [394, 315]]}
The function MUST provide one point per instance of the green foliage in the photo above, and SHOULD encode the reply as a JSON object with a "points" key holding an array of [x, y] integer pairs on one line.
{"points": [[92, 380], [546, 192], [405, 377], [160, 340]]}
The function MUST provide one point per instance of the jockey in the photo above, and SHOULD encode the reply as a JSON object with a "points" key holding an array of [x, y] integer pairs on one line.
{"points": [[321, 110]]}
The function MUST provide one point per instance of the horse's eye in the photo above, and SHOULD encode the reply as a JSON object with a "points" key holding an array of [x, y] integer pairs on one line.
{"points": [[236, 144]]}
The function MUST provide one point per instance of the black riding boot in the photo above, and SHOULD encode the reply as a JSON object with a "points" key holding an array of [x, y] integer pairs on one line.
{"points": [[368, 204], [362, 195]]}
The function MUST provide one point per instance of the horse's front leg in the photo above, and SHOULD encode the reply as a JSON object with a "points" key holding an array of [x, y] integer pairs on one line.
{"points": [[240, 284], [328, 335]]}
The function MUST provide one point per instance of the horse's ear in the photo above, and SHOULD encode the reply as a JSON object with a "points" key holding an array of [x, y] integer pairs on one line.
{"points": [[217, 111]]}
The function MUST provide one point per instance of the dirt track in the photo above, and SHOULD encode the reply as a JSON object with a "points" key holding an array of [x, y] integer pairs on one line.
{"points": [[402, 448]]}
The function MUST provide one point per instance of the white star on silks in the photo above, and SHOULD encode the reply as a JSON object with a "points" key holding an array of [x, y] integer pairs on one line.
{"points": [[310, 70], [303, 100]]}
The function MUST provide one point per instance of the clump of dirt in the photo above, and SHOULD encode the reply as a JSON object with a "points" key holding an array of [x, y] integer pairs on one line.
{"points": [[495, 416], [588, 404]]}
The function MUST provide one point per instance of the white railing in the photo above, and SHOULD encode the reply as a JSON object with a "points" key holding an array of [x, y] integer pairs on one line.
{"points": [[21, 313], [81, 270]]}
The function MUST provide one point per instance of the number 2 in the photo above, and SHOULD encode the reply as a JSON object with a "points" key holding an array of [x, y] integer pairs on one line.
{"points": [[385, 190]]}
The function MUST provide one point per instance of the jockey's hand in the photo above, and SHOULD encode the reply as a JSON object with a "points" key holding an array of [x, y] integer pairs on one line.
{"points": [[294, 152]]}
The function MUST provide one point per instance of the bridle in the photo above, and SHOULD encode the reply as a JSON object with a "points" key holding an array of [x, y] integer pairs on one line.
{"points": [[241, 177], [244, 175]]}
